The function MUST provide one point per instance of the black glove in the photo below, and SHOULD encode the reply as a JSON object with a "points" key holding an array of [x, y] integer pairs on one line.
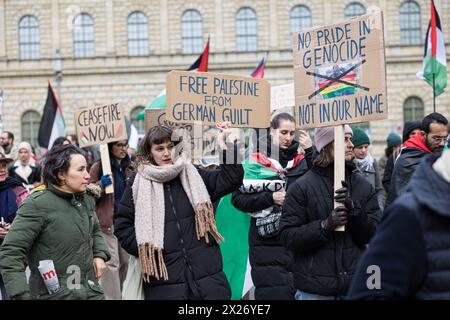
{"points": [[337, 217], [342, 195]]}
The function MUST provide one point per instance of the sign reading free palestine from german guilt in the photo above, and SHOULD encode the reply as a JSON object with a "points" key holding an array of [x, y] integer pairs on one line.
{"points": [[101, 124], [207, 98], [340, 73]]}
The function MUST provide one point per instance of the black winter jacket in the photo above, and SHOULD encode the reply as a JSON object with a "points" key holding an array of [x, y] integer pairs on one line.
{"points": [[412, 244], [325, 261], [271, 262], [404, 168], [194, 267], [35, 175]]}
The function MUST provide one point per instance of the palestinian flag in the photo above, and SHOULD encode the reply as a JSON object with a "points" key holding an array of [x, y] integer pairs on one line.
{"points": [[258, 73], [200, 65], [52, 123], [434, 70]]}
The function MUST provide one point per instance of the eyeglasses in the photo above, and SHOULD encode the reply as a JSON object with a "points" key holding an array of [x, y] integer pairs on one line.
{"points": [[121, 146], [439, 139]]}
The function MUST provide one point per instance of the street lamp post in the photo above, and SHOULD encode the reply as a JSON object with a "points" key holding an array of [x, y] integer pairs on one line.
{"points": [[57, 67]]}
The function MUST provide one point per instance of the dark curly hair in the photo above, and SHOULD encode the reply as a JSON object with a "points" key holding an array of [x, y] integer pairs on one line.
{"points": [[58, 160]]}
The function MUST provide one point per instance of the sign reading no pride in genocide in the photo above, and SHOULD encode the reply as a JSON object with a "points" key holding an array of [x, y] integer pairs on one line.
{"points": [[101, 124], [207, 98], [340, 73]]}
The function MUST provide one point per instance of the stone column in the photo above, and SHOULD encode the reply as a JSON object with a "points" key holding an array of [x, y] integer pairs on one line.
{"points": [[164, 32], [110, 46]]}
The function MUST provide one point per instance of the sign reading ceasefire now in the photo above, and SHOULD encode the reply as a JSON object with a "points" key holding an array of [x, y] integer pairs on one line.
{"points": [[340, 73], [208, 98], [101, 124]]}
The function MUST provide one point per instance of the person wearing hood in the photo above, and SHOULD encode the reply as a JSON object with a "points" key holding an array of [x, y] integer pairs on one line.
{"points": [[431, 139], [106, 208], [411, 249], [268, 174], [12, 194], [366, 165], [325, 260], [25, 168]]}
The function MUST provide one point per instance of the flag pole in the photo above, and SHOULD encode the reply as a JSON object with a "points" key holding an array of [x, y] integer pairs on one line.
{"points": [[434, 96]]}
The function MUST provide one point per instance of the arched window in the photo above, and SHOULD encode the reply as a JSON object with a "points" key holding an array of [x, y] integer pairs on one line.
{"points": [[29, 40], [410, 25], [300, 17], [413, 109], [354, 9], [246, 27], [83, 36], [30, 126], [138, 34], [191, 32], [139, 124]]}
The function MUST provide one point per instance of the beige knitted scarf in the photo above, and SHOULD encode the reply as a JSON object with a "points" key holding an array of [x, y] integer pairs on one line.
{"points": [[148, 197]]}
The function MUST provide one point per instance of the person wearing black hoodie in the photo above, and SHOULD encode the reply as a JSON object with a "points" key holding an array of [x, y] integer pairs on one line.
{"points": [[278, 152], [409, 257], [431, 139], [324, 259]]}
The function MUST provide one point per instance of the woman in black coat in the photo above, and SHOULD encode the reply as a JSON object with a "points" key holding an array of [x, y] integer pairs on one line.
{"points": [[166, 219], [324, 259], [270, 261]]}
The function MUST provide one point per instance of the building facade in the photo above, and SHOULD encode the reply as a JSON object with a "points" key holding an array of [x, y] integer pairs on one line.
{"points": [[98, 51]]}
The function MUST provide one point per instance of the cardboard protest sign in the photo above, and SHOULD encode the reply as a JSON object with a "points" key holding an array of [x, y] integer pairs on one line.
{"points": [[282, 96], [340, 73], [155, 117], [202, 138], [208, 98], [101, 124]]}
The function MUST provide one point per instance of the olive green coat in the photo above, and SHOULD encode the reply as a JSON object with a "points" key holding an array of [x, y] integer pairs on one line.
{"points": [[58, 226]]}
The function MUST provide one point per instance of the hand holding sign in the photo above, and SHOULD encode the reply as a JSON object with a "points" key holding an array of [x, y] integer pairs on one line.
{"points": [[304, 140]]}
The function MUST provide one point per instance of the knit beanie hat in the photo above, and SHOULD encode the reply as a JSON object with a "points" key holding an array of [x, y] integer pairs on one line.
{"points": [[393, 139], [359, 137], [409, 127], [323, 136]]}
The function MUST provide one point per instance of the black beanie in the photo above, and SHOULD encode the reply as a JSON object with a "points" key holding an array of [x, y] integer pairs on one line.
{"points": [[409, 127]]}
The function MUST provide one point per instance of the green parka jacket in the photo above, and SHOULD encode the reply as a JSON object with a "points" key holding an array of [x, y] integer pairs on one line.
{"points": [[58, 226]]}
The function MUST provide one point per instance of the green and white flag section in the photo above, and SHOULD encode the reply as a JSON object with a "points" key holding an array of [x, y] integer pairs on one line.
{"points": [[434, 63], [52, 123], [234, 226]]}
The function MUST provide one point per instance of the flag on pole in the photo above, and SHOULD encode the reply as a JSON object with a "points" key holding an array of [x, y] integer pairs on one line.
{"points": [[234, 226], [258, 73], [52, 123], [200, 65], [434, 70]]}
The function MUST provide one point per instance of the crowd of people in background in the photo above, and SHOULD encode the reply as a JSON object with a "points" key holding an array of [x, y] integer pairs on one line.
{"points": [[161, 214]]}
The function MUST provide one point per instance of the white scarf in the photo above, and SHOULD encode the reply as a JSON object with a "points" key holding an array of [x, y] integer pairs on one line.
{"points": [[366, 163], [24, 171], [442, 165], [148, 196]]}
